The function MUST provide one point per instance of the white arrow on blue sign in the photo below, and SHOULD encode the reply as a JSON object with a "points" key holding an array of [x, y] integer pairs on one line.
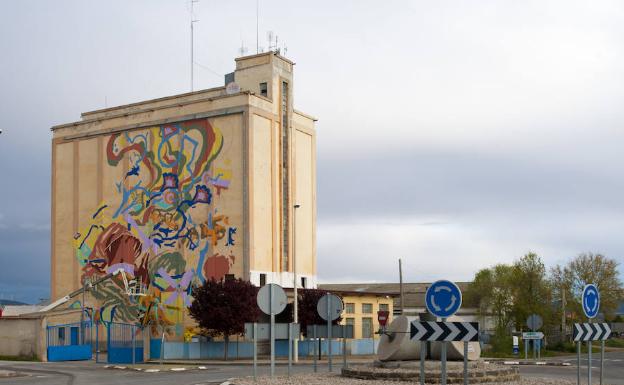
{"points": [[443, 298], [591, 300]]}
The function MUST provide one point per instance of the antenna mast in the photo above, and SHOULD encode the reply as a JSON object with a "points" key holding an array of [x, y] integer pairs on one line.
{"points": [[257, 28], [192, 46]]}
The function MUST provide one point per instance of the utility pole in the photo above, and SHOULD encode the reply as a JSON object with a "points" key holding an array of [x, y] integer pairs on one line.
{"points": [[296, 300], [401, 285]]}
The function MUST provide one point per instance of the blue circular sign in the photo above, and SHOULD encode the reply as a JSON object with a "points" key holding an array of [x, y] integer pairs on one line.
{"points": [[443, 298], [591, 300]]}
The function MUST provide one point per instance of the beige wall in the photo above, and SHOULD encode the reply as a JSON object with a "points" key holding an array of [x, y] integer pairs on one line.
{"points": [[20, 337], [107, 167], [103, 183]]}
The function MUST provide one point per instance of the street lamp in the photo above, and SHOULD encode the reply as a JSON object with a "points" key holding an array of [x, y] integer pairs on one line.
{"points": [[295, 310]]}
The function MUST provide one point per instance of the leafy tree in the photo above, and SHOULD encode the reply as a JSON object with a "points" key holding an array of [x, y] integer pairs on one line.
{"points": [[308, 299], [492, 292], [532, 290], [589, 268], [222, 307]]}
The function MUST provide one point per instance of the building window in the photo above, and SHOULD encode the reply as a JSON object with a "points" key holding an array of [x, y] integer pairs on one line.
{"points": [[285, 136], [384, 306], [262, 279], [263, 89], [229, 277], [367, 308], [350, 308], [304, 282], [367, 327], [350, 321]]}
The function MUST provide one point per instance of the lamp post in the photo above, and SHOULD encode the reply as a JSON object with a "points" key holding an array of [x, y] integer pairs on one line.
{"points": [[296, 300]]}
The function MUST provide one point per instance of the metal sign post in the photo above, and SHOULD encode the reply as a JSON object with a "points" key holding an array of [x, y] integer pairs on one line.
{"points": [[255, 351], [423, 355], [443, 299], [329, 307], [344, 347], [329, 335], [424, 331], [465, 362], [272, 300], [443, 361], [272, 315], [314, 342], [289, 348], [587, 332]]}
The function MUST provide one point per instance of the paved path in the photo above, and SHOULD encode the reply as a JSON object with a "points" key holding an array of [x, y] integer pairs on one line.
{"points": [[89, 373]]}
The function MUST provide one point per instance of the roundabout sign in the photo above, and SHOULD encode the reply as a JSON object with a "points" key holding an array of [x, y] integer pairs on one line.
{"points": [[443, 298]]}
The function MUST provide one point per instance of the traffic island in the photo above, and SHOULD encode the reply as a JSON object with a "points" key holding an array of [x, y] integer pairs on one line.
{"points": [[478, 372]]}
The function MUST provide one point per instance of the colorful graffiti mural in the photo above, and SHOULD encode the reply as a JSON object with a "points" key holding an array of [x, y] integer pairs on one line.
{"points": [[165, 230]]}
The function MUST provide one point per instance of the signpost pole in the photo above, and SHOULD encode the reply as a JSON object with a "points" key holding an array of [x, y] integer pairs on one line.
{"points": [[589, 360], [272, 331], [602, 346], [423, 355], [465, 362], [133, 329], [443, 361], [255, 350], [578, 363], [344, 347], [314, 343], [289, 348], [539, 349], [329, 333], [526, 349]]}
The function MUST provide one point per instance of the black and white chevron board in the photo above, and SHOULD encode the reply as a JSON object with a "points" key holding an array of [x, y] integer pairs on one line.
{"points": [[591, 331], [444, 331]]}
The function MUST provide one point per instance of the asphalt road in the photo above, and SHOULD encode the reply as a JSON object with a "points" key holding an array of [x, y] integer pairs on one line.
{"points": [[88, 373], [613, 369]]}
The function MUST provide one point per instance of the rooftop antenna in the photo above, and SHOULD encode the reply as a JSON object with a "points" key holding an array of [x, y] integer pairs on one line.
{"points": [[270, 40], [192, 33], [242, 50], [257, 28]]}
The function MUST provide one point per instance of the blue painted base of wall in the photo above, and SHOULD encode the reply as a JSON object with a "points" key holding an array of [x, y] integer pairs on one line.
{"points": [[216, 349], [124, 355], [69, 353]]}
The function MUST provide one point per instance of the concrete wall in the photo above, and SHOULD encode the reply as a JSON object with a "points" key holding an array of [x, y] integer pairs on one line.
{"points": [[20, 337]]}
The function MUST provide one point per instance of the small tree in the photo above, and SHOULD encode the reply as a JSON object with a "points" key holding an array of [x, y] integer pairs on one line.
{"points": [[222, 307], [308, 315]]}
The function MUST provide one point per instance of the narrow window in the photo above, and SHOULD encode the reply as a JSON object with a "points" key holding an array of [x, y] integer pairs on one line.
{"points": [[384, 306], [350, 308], [262, 279], [367, 308], [304, 282], [367, 327], [263, 89], [285, 187]]}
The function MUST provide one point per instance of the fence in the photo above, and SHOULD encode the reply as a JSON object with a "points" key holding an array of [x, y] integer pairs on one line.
{"points": [[69, 342], [124, 343], [244, 349]]}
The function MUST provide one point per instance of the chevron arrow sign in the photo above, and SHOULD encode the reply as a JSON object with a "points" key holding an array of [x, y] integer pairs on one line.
{"points": [[591, 331], [444, 331]]}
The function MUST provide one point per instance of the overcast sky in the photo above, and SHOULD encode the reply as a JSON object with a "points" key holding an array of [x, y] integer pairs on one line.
{"points": [[452, 134]]}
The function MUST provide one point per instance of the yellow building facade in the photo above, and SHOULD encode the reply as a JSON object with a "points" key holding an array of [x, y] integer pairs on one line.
{"points": [[181, 189], [361, 312]]}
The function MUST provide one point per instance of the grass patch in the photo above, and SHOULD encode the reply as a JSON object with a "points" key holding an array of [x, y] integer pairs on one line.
{"points": [[615, 343], [18, 358]]}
